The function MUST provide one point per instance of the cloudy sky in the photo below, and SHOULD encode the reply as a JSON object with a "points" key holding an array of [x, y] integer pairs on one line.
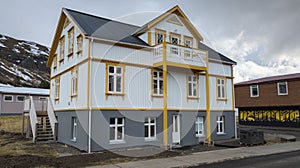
{"points": [[262, 36]]}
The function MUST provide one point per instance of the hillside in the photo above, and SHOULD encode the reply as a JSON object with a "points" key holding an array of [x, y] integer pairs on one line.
{"points": [[23, 63]]}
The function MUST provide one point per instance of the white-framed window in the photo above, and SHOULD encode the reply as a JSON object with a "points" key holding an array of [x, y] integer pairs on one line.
{"points": [[158, 83], [220, 125], [221, 88], [282, 88], [150, 128], [74, 128], [254, 91], [174, 40], [8, 98], [116, 129], [74, 82], [20, 98], [192, 86], [188, 44], [199, 126], [115, 79]]}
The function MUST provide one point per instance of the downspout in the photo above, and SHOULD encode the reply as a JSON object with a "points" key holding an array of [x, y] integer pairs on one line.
{"points": [[90, 95]]}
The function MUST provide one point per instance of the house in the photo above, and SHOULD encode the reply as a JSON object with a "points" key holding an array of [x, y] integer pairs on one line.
{"points": [[117, 85], [12, 98], [270, 101]]}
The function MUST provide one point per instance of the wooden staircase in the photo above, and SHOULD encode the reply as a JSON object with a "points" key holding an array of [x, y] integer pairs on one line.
{"points": [[41, 120], [44, 130]]}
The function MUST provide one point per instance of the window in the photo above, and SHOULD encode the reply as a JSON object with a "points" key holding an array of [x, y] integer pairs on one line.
{"points": [[254, 92], [282, 88], [57, 88], [8, 98], [220, 124], [61, 48], [79, 44], [74, 128], [115, 74], [199, 126], [188, 42], [221, 88], [20, 98], [192, 85], [150, 128], [174, 39], [74, 82], [55, 61], [159, 36], [157, 82], [70, 41], [116, 126]]}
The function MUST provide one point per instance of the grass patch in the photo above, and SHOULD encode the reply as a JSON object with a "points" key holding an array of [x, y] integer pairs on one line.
{"points": [[11, 123], [15, 145]]}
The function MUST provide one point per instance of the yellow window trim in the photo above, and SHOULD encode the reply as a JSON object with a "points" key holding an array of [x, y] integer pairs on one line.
{"points": [[79, 50], [67, 22], [197, 97], [225, 91], [108, 93], [55, 62], [70, 32], [160, 31], [185, 38], [74, 95], [171, 34], [152, 84], [57, 86], [61, 49]]}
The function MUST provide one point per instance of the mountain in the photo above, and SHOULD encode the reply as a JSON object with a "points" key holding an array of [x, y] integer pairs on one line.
{"points": [[23, 63]]}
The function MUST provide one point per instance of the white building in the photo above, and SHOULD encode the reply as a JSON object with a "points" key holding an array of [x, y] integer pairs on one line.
{"points": [[116, 85]]}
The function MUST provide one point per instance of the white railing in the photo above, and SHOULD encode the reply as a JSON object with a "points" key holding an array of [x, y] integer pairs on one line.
{"points": [[27, 104], [52, 118], [33, 118], [181, 55]]}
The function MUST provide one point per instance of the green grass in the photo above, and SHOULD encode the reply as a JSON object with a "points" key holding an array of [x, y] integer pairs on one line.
{"points": [[11, 124]]}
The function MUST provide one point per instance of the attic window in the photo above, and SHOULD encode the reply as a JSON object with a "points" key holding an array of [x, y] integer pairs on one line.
{"points": [[174, 20]]}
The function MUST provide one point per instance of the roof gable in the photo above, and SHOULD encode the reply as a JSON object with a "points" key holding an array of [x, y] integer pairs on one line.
{"points": [[158, 19]]}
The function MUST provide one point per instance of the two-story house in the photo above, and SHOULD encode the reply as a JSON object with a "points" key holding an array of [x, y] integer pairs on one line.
{"points": [[116, 85], [270, 101]]}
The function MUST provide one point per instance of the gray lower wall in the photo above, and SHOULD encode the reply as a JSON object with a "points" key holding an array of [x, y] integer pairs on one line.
{"points": [[228, 127], [134, 128]]}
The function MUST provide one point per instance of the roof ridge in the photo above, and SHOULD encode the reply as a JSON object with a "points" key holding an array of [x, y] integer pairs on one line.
{"points": [[277, 77], [100, 17]]}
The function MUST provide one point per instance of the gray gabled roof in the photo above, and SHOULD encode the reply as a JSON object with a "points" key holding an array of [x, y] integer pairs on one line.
{"points": [[215, 55], [103, 28]]}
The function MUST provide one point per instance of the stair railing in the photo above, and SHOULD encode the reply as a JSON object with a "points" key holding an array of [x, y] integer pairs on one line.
{"points": [[33, 118], [52, 118]]}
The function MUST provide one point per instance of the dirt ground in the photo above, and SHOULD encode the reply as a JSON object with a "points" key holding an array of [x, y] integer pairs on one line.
{"points": [[16, 151]]}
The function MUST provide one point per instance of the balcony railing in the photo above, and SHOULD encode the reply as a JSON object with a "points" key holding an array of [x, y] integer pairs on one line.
{"points": [[180, 55]]}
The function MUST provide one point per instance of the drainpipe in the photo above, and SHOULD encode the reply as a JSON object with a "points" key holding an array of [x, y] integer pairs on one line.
{"points": [[90, 95]]}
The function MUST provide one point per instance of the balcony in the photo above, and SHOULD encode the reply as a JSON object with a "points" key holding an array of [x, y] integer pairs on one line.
{"points": [[180, 56]]}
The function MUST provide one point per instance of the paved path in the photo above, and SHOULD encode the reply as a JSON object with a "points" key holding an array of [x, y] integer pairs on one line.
{"points": [[210, 156]]}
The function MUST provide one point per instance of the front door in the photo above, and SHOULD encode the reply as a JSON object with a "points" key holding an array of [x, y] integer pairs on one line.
{"points": [[176, 129]]}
